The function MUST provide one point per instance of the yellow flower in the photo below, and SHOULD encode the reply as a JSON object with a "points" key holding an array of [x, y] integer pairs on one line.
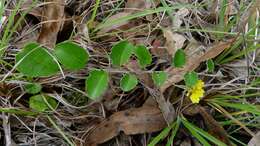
{"points": [[196, 92]]}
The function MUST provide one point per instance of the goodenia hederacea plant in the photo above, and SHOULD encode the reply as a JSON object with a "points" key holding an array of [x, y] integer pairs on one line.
{"points": [[159, 77], [210, 65], [96, 83], [36, 61], [143, 55], [32, 88], [191, 78], [42, 102], [121, 53], [179, 58], [128, 82], [71, 55]]}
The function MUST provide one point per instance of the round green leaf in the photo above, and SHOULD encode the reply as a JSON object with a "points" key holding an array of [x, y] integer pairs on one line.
{"points": [[159, 78], [128, 82], [143, 55], [71, 55], [35, 61], [210, 65], [179, 58], [191, 78], [121, 52], [38, 103], [33, 88], [96, 83]]}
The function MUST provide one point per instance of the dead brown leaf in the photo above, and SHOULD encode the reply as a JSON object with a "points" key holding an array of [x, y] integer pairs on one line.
{"points": [[193, 61], [134, 5], [52, 20], [145, 119], [174, 41], [117, 26], [214, 128]]}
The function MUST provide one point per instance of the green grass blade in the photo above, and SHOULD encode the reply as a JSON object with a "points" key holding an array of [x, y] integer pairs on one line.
{"points": [[174, 132], [236, 45], [254, 109], [114, 10], [162, 135], [11, 26], [8, 27], [109, 23], [242, 53], [60, 131], [18, 111], [225, 97], [203, 133], [94, 13], [195, 133], [222, 25], [2, 8]]}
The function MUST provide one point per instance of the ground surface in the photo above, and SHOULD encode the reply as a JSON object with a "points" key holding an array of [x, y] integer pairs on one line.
{"points": [[46, 100]]}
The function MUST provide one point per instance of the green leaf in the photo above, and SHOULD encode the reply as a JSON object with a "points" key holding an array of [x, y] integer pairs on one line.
{"points": [[96, 83], [143, 55], [121, 52], [210, 65], [191, 78], [71, 55], [159, 77], [35, 61], [33, 88], [128, 82], [179, 58], [42, 102]]}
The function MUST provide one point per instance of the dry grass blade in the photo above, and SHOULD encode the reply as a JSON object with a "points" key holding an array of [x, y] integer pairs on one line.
{"points": [[227, 114], [52, 16]]}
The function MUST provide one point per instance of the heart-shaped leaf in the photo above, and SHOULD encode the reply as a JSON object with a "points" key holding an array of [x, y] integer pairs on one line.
{"points": [[191, 78], [179, 58], [143, 55], [71, 55], [159, 77], [96, 83], [36, 61], [121, 52], [210, 65], [128, 82], [33, 88], [38, 103]]}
